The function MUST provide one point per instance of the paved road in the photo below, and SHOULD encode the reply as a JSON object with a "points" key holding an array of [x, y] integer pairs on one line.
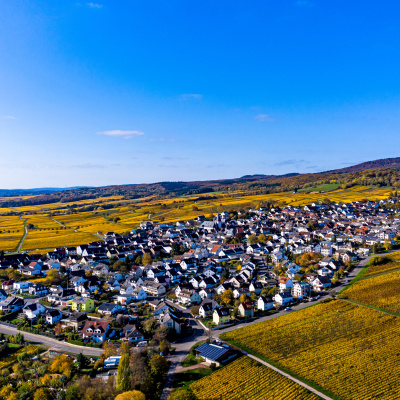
{"points": [[23, 239], [63, 346]]}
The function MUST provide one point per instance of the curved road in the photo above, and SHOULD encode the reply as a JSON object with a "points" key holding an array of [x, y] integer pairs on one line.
{"points": [[55, 344]]}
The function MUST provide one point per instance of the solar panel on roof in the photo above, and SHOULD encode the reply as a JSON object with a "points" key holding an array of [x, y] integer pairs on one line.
{"points": [[211, 351]]}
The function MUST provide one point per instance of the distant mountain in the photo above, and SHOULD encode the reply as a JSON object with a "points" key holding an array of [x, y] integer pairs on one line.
{"points": [[35, 191], [262, 176], [384, 172], [376, 164]]}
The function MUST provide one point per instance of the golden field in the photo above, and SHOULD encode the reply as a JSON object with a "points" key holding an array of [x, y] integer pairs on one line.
{"points": [[380, 291], [348, 350], [245, 378], [12, 229]]}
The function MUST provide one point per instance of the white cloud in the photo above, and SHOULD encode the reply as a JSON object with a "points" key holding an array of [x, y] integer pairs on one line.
{"points": [[263, 118], [7, 117], [119, 133], [188, 96], [94, 5], [161, 139]]}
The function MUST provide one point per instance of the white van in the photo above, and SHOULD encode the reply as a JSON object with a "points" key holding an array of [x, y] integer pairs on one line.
{"points": [[142, 344]]}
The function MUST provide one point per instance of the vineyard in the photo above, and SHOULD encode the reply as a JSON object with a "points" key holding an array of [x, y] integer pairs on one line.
{"points": [[378, 291], [383, 267], [250, 380], [11, 232], [351, 351]]}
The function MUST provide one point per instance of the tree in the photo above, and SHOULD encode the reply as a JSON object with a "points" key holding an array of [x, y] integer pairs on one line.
{"points": [[252, 239], [125, 349], [25, 391], [164, 346], [150, 325], [72, 393], [58, 329], [124, 374], [81, 360], [42, 394], [262, 238], [139, 370], [118, 265], [146, 259], [225, 273], [19, 338], [131, 395], [194, 310], [227, 297], [109, 350], [158, 366]]}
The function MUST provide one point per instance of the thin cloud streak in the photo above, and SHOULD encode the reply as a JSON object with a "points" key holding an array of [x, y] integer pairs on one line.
{"points": [[120, 133], [263, 118], [94, 5], [188, 96], [9, 117]]}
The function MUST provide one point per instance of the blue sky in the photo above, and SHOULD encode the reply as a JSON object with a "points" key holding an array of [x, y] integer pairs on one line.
{"points": [[118, 92]]}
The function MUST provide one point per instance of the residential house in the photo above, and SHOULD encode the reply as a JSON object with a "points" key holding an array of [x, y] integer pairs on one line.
{"points": [[246, 309], [38, 289], [189, 297], [301, 290], [221, 316], [109, 308], [11, 304], [32, 310], [82, 304], [265, 303], [321, 283], [132, 334], [283, 298], [153, 288], [53, 316], [95, 330], [207, 307]]}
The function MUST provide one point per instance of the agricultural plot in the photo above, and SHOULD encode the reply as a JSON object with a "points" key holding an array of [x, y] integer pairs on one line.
{"points": [[380, 291], [94, 222], [11, 231], [50, 239], [248, 379], [348, 350], [382, 267]]}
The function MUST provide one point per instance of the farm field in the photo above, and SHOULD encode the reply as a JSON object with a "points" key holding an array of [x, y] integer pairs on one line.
{"points": [[245, 378], [348, 350], [383, 267], [11, 231], [380, 291], [57, 238]]}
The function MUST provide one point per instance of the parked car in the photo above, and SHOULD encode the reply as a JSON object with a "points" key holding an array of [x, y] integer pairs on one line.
{"points": [[142, 344]]}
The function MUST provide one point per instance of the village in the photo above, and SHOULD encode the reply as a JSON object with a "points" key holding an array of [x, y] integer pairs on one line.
{"points": [[163, 279]]}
